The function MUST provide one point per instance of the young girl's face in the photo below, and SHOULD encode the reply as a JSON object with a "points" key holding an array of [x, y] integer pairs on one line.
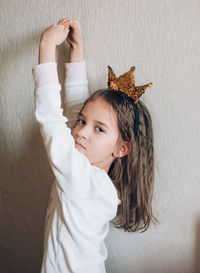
{"points": [[96, 133]]}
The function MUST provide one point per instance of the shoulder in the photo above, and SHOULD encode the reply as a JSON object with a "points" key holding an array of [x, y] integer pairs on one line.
{"points": [[107, 187]]}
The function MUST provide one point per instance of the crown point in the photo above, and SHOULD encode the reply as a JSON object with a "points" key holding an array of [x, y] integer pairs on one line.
{"points": [[126, 84]]}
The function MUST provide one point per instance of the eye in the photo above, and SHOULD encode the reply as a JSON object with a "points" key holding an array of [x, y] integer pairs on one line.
{"points": [[99, 129], [80, 121]]}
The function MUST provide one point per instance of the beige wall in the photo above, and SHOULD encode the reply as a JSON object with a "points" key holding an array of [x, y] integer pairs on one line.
{"points": [[161, 38]]}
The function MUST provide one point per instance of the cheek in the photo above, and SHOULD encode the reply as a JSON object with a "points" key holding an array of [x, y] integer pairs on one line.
{"points": [[74, 132], [109, 143]]}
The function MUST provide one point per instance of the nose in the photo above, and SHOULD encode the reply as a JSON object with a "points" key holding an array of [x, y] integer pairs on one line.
{"points": [[84, 132]]}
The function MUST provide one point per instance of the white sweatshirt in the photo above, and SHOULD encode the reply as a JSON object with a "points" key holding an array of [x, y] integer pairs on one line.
{"points": [[83, 198]]}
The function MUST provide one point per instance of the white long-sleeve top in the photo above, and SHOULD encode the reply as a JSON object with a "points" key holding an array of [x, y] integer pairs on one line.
{"points": [[83, 198]]}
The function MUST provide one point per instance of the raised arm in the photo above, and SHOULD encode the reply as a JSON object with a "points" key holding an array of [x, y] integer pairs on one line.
{"points": [[66, 162], [76, 83]]}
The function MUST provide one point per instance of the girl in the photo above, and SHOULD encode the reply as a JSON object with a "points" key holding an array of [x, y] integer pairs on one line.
{"points": [[103, 169]]}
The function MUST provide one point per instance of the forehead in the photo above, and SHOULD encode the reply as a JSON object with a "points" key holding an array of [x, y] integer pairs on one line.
{"points": [[99, 109]]}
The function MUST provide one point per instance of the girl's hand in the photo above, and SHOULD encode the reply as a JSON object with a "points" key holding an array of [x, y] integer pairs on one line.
{"points": [[75, 37], [55, 35]]}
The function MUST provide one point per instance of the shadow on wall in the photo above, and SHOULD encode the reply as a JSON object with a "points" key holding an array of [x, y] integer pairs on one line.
{"points": [[197, 247], [25, 190], [26, 177]]}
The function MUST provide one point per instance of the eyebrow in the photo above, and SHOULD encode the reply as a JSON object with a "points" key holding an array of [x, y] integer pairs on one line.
{"points": [[97, 121]]}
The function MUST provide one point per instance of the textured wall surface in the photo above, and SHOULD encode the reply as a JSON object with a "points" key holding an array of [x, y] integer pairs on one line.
{"points": [[161, 38]]}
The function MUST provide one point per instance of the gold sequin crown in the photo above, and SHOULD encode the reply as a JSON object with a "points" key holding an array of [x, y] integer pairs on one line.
{"points": [[126, 84]]}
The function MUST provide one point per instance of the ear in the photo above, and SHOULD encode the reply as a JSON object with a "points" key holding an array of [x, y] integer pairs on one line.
{"points": [[123, 149]]}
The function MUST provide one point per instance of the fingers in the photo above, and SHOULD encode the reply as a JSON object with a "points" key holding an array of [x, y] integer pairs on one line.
{"points": [[73, 23], [65, 22], [65, 27]]}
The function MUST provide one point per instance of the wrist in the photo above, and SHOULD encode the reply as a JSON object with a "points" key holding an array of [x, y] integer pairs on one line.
{"points": [[77, 44], [46, 39], [46, 52], [76, 53], [47, 44]]}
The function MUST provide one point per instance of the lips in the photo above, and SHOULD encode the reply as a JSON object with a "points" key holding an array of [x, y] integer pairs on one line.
{"points": [[79, 145]]}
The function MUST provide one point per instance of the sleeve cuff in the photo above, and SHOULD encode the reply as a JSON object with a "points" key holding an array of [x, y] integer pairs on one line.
{"points": [[45, 73], [75, 71]]}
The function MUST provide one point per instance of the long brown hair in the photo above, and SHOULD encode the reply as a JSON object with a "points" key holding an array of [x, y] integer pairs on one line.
{"points": [[133, 174]]}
